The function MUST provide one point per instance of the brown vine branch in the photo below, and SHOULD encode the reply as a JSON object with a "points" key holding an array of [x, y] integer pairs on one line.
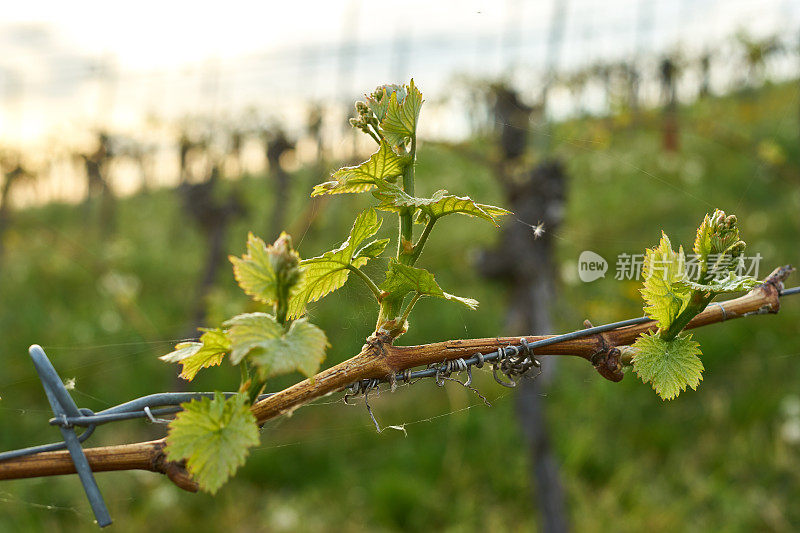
{"points": [[380, 360]]}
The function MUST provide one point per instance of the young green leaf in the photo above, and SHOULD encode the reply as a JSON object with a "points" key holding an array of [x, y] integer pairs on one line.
{"points": [[247, 331], [702, 241], [181, 352], [372, 249], [267, 273], [664, 292], [383, 165], [393, 198], [402, 279], [328, 272], [214, 344], [400, 121], [272, 349], [194, 356], [214, 437], [301, 348], [463, 205], [670, 366]]}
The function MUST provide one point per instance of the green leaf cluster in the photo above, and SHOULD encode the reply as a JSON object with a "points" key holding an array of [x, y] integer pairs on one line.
{"points": [[270, 344], [213, 436], [717, 243], [390, 115], [668, 359]]}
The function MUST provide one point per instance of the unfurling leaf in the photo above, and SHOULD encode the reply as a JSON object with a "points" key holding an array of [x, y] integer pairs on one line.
{"points": [[268, 273], [702, 241], [273, 350], [664, 293], [214, 437], [402, 113], [402, 279], [393, 198], [328, 272], [194, 356], [670, 366], [383, 165]]}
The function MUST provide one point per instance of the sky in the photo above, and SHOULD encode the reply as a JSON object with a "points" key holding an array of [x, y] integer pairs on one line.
{"points": [[66, 63], [153, 34]]}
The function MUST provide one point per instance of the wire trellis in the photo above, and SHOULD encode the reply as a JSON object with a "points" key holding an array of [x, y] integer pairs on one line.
{"points": [[68, 416]]}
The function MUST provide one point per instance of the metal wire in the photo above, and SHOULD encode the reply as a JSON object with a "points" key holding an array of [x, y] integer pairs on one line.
{"points": [[139, 408], [511, 361], [789, 292]]}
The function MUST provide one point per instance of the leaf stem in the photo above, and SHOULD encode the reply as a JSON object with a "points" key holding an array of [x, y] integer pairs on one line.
{"points": [[410, 306], [375, 133], [366, 279], [372, 134], [245, 371], [256, 386], [250, 385], [696, 306], [422, 240], [406, 236]]}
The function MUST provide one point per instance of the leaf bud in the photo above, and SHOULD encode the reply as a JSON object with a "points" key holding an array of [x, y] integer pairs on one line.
{"points": [[362, 109], [285, 261], [724, 232]]}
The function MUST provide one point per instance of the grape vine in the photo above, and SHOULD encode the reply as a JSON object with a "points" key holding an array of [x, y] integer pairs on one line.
{"points": [[212, 436]]}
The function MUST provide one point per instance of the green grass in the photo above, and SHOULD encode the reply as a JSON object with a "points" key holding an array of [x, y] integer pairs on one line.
{"points": [[714, 459]]}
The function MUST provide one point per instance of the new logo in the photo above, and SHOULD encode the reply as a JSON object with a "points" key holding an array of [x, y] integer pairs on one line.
{"points": [[591, 266]]}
